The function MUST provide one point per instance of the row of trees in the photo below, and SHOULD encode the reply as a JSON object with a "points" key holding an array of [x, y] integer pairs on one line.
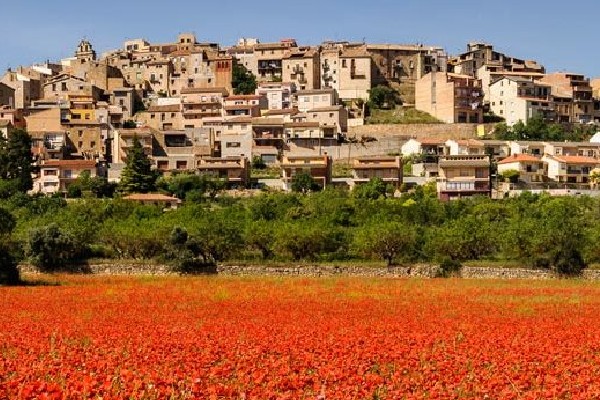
{"points": [[537, 129], [534, 230]]}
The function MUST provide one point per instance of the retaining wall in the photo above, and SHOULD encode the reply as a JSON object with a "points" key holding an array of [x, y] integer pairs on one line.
{"points": [[414, 271]]}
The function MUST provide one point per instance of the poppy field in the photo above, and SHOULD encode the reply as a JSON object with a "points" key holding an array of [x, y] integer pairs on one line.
{"points": [[296, 338]]}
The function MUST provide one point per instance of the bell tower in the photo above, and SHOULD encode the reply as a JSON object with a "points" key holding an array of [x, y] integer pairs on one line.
{"points": [[85, 51]]}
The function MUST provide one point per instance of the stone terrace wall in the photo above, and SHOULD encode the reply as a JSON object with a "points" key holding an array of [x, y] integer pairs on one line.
{"points": [[415, 271], [407, 131]]}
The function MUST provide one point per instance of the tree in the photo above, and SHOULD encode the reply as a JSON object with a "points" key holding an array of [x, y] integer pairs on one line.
{"points": [[260, 235], [15, 160], [387, 240], [304, 183], [511, 175], [383, 97], [192, 187], [373, 189], [9, 273], [243, 81], [50, 248], [137, 176]]}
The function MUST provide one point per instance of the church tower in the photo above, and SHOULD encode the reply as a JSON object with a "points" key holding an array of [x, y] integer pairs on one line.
{"points": [[85, 51]]}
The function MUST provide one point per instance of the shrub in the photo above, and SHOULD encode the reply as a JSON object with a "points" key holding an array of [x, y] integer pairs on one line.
{"points": [[51, 248], [449, 267]]}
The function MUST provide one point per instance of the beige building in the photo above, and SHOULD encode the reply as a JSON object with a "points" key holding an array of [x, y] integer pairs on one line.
{"points": [[570, 169], [318, 98], [463, 176], [21, 85], [57, 175], [329, 116], [400, 66], [164, 118], [387, 168], [200, 104], [279, 95], [269, 59], [479, 54], [244, 105], [234, 170], [236, 137], [318, 167], [7, 95], [450, 98], [518, 99], [301, 67], [531, 169], [572, 94]]}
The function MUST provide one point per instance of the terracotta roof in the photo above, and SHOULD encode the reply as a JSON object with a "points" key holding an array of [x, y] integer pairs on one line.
{"points": [[151, 197], [520, 158], [431, 141], [576, 160], [83, 164], [167, 108]]}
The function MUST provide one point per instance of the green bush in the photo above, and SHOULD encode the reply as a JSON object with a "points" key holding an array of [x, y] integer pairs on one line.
{"points": [[449, 267], [50, 248]]}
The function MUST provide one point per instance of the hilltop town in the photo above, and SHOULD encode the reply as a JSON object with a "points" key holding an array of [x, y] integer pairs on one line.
{"points": [[286, 107]]}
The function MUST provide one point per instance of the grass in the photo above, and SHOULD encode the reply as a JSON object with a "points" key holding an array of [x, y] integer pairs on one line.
{"points": [[269, 173], [342, 170], [400, 115]]}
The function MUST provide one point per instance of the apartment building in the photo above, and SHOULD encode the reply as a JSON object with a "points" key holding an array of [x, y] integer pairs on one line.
{"points": [[7, 95], [347, 68], [179, 150], [318, 167], [572, 94], [57, 175], [16, 117], [586, 149], [236, 137], [300, 66], [201, 103], [400, 66], [244, 105], [279, 95], [269, 59], [234, 170], [463, 176], [21, 87], [483, 54], [163, 117], [527, 147], [450, 98], [519, 99], [387, 168], [531, 169], [570, 169], [123, 141], [318, 98], [335, 117]]}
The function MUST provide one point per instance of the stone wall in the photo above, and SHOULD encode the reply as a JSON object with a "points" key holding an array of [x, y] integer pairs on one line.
{"points": [[407, 131], [414, 271]]}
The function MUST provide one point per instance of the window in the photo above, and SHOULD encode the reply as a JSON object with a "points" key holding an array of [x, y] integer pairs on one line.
{"points": [[232, 144], [50, 172], [330, 115], [63, 86], [181, 165], [343, 63], [79, 133], [92, 144]]}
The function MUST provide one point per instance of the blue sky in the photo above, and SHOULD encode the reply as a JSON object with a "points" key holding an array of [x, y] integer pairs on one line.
{"points": [[560, 35]]}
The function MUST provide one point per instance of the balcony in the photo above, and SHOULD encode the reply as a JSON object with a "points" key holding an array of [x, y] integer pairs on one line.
{"points": [[297, 70]]}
